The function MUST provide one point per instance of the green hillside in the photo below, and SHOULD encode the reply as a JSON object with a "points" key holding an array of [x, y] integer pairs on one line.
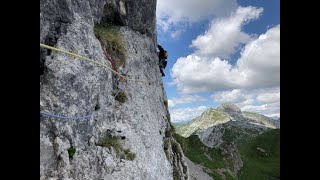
{"points": [[259, 164], [260, 155], [197, 152]]}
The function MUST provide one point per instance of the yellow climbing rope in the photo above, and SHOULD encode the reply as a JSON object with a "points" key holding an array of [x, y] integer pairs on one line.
{"points": [[87, 59], [81, 57], [90, 60]]}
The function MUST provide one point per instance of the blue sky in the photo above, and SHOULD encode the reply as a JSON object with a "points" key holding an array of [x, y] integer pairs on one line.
{"points": [[220, 51]]}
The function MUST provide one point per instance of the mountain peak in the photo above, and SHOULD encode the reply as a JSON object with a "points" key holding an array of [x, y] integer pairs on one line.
{"points": [[229, 107]]}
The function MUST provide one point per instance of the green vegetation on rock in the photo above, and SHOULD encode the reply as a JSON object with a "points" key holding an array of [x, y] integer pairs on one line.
{"points": [[112, 142], [121, 97], [110, 37], [71, 152]]}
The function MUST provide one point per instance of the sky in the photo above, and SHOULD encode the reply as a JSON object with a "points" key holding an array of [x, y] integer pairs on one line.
{"points": [[220, 51]]}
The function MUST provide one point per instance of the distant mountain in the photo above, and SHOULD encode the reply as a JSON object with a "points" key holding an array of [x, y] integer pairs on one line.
{"points": [[274, 117], [276, 122], [223, 133], [260, 119], [208, 118], [226, 112]]}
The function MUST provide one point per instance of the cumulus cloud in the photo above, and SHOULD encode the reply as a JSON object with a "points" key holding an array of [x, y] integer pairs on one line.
{"points": [[196, 74], [260, 60], [252, 82], [185, 99], [234, 96], [270, 109], [258, 67], [171, 13], [186, 114], [225, 35], [269, 97]]}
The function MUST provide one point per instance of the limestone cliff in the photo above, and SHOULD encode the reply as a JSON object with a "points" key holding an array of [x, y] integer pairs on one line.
{"points": [[87, 130]]}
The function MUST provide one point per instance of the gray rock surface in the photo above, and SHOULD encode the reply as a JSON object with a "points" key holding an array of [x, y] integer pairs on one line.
{"points": [[229, 107], [196, 171], [138, 15], [232, 155], [232, 110], [275, 122], [212, 137], [73, 87]]}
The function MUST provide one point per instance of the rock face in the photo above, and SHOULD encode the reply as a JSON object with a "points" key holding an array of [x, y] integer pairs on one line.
{"points": [[232, 155], [232, 110], [212, 137], [196, 171], [138, 15], [276, 122], [229, 108], [259, 119], [96, 144]]}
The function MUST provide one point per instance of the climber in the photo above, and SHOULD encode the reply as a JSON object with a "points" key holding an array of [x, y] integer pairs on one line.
{"points": [[163, 55]]}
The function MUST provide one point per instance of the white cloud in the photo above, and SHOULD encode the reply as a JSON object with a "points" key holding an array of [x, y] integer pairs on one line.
{"points": [[185, 99], [260, 60], [186, 114], [225, 35], [258, 67], [171, 13], [270, 110], [196, 74], [234, 96], [269, 97], [252, 82], [246, 102], [171, 103]]}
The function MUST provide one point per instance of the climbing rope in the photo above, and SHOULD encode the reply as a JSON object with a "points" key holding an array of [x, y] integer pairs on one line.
{"points": [[81, 57], [90, 60], [65, 117], [122, 78]]}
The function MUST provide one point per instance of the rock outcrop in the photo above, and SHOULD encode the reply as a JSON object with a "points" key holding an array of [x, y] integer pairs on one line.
{"points": [[232, 110], [196, 171], [108, 138]]}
